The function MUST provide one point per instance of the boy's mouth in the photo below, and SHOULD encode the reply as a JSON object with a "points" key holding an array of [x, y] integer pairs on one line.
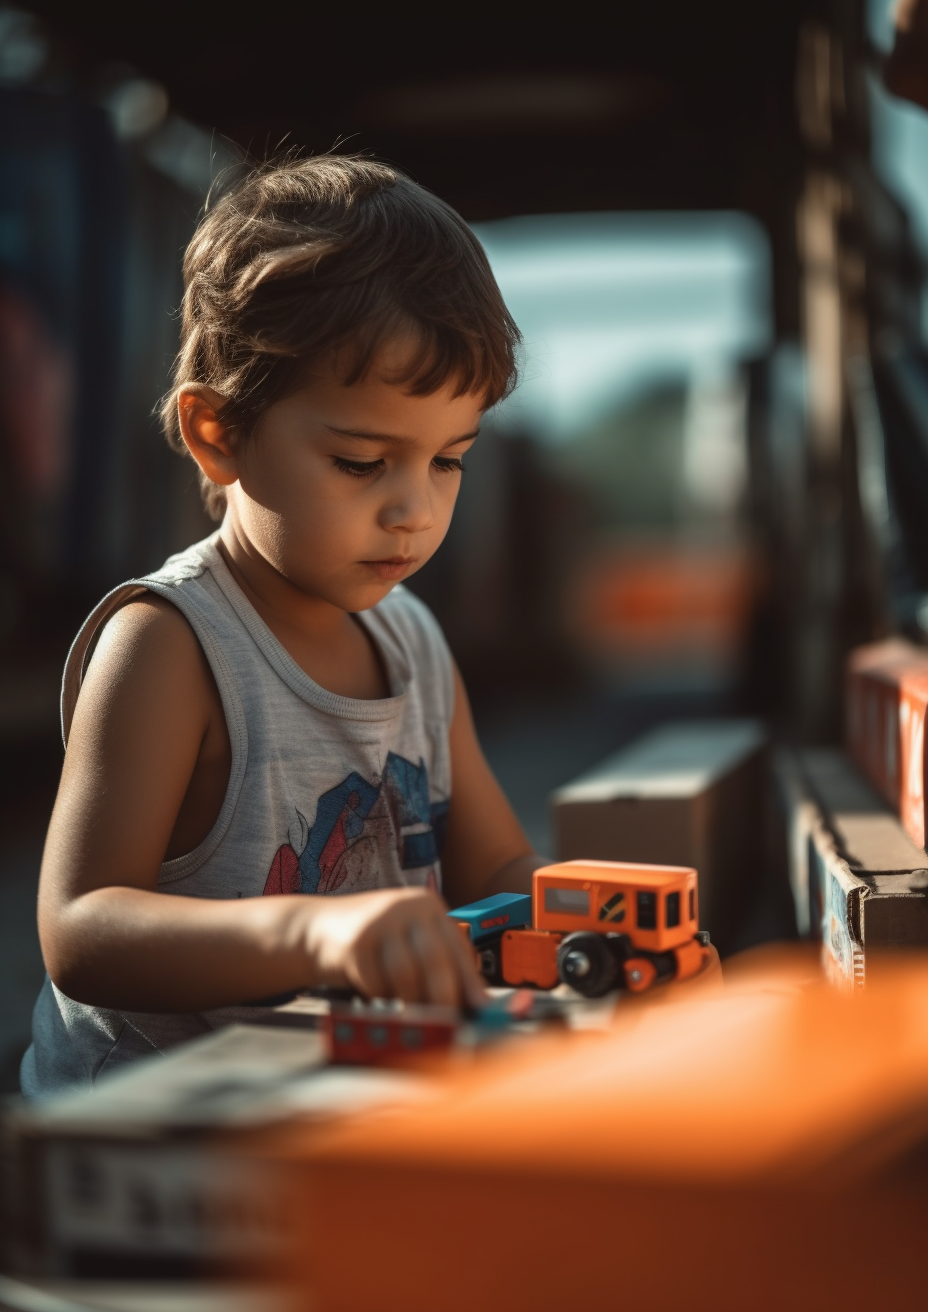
{"points": [[394, 567]]}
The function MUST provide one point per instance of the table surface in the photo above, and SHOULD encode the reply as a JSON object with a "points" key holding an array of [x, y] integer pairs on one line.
{"points": [[135, 1296]]}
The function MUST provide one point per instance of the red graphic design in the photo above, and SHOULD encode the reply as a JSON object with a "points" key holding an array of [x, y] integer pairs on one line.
{"points": [[284, 875], [337, 844]]}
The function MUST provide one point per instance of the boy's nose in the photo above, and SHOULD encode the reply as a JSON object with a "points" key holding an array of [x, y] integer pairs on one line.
{"points": [[409, 510]]}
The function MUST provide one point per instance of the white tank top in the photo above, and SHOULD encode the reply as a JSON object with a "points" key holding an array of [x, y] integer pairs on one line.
{"points": [[326, 794]]}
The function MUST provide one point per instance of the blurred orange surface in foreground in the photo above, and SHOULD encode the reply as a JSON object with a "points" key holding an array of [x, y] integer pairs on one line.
{"points": [[747, 1148]]}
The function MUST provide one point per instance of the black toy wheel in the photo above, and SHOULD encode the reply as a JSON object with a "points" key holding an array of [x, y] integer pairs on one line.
{"points": [[586, 962], [621, 946], [489, 960]]}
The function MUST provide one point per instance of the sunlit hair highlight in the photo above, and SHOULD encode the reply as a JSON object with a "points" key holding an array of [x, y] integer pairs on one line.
{"points": [[329, 258]]}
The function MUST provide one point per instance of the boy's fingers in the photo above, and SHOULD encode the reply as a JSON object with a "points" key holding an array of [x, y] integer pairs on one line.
{"points": [[438, 969], [471, 979], [403, 970], [421, 956], [367, 974]]}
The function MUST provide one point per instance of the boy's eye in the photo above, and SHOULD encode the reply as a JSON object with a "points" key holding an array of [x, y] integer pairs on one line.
{"points": [[357, 468], [364, 468]]}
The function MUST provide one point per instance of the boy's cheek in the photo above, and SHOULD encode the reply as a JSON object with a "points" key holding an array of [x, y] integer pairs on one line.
{"points": [[321, 542]]}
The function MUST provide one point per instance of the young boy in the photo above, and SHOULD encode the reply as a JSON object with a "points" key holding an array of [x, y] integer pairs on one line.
{"points": [[270, 713]]}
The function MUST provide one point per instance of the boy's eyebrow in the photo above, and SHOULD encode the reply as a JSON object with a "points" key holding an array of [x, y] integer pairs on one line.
{"points": [[368, 436]]}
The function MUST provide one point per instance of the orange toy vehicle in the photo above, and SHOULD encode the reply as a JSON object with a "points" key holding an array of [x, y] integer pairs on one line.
{"points": [[596, 925]]}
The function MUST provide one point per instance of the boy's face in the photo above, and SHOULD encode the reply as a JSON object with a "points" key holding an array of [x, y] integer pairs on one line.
{"points": [[347, 490]]}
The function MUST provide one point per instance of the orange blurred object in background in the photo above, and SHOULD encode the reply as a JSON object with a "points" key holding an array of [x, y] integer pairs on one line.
{"points": [[886, 703], [739, 1150], [667, 601]]}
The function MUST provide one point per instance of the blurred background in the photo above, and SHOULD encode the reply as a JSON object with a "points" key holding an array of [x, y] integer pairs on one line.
{"points": [[711, 224]]}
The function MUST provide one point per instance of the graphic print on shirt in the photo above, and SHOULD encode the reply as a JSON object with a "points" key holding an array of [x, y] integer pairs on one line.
{"points": [[357, 824]]}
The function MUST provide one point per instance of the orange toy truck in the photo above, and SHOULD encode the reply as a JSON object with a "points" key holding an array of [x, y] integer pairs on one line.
{"points": [[595, 925]]}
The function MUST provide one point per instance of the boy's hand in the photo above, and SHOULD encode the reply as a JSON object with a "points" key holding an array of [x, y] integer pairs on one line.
{"points": [[393, 943]]}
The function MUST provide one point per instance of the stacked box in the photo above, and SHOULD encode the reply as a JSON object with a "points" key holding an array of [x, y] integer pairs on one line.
{"points": [[154, 1172], [886, 706], [859, 883], [150, 1173], [687, 794]]}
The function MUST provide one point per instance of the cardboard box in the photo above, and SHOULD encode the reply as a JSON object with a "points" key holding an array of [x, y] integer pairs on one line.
{"points": [[153, 1172], [794, 815], [688, 794], [150, 1174], [858, 881], [864, 727], [886, 706], [839, 893], [727, 1152]]}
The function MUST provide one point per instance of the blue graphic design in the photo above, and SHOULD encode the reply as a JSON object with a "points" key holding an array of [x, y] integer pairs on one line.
{"points": [[341, 820], [409, 790], [340, 817]]}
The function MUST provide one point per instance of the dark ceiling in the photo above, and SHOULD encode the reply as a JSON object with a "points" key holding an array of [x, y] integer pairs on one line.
{"points": [[644, 105]]}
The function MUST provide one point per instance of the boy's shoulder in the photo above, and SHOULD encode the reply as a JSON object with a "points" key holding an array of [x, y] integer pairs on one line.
{"points": [[191, 563]]}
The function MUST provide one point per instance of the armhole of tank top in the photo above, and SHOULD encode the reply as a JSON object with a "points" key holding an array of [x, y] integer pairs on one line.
{"points": [[79, 656], [84, 645]]}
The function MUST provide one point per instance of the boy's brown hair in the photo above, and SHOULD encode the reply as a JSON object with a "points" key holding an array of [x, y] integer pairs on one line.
{"points": [[330, 256]]}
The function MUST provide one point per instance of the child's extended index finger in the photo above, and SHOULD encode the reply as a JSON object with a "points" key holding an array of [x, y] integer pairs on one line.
{"points": [[472, 984]]}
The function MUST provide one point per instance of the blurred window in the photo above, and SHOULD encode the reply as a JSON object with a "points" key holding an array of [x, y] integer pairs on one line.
{"points": [[647, 911], [611, 305], [634, 396], [567, 901], [673, 910]]}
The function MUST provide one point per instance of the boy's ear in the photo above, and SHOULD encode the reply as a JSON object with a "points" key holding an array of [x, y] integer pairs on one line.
{"points": [[207, 437]]}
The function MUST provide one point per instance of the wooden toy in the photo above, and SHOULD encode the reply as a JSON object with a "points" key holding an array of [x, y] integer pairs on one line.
{"points": [[485, 922], [595, 925], [376, 1035], [392, 1033]]}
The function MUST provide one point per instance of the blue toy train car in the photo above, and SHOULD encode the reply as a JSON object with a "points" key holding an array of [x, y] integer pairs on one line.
{"points": [[486, 922]]}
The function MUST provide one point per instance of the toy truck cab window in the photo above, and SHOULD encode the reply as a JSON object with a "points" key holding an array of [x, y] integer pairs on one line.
{"points": [[567, 901], [692, 904], [673, 910], [613, 909], [647, 910]]}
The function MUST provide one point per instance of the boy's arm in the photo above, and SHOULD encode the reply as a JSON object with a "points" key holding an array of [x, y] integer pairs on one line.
{"points": [[486, 850], [144, 724]]}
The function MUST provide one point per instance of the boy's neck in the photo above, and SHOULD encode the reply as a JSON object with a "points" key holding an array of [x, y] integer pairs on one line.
{"points": [[325, 641], [284, 607]]}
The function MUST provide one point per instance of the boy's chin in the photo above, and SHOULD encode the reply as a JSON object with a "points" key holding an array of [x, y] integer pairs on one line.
{"points": [[372, 581], [363, 596]]}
